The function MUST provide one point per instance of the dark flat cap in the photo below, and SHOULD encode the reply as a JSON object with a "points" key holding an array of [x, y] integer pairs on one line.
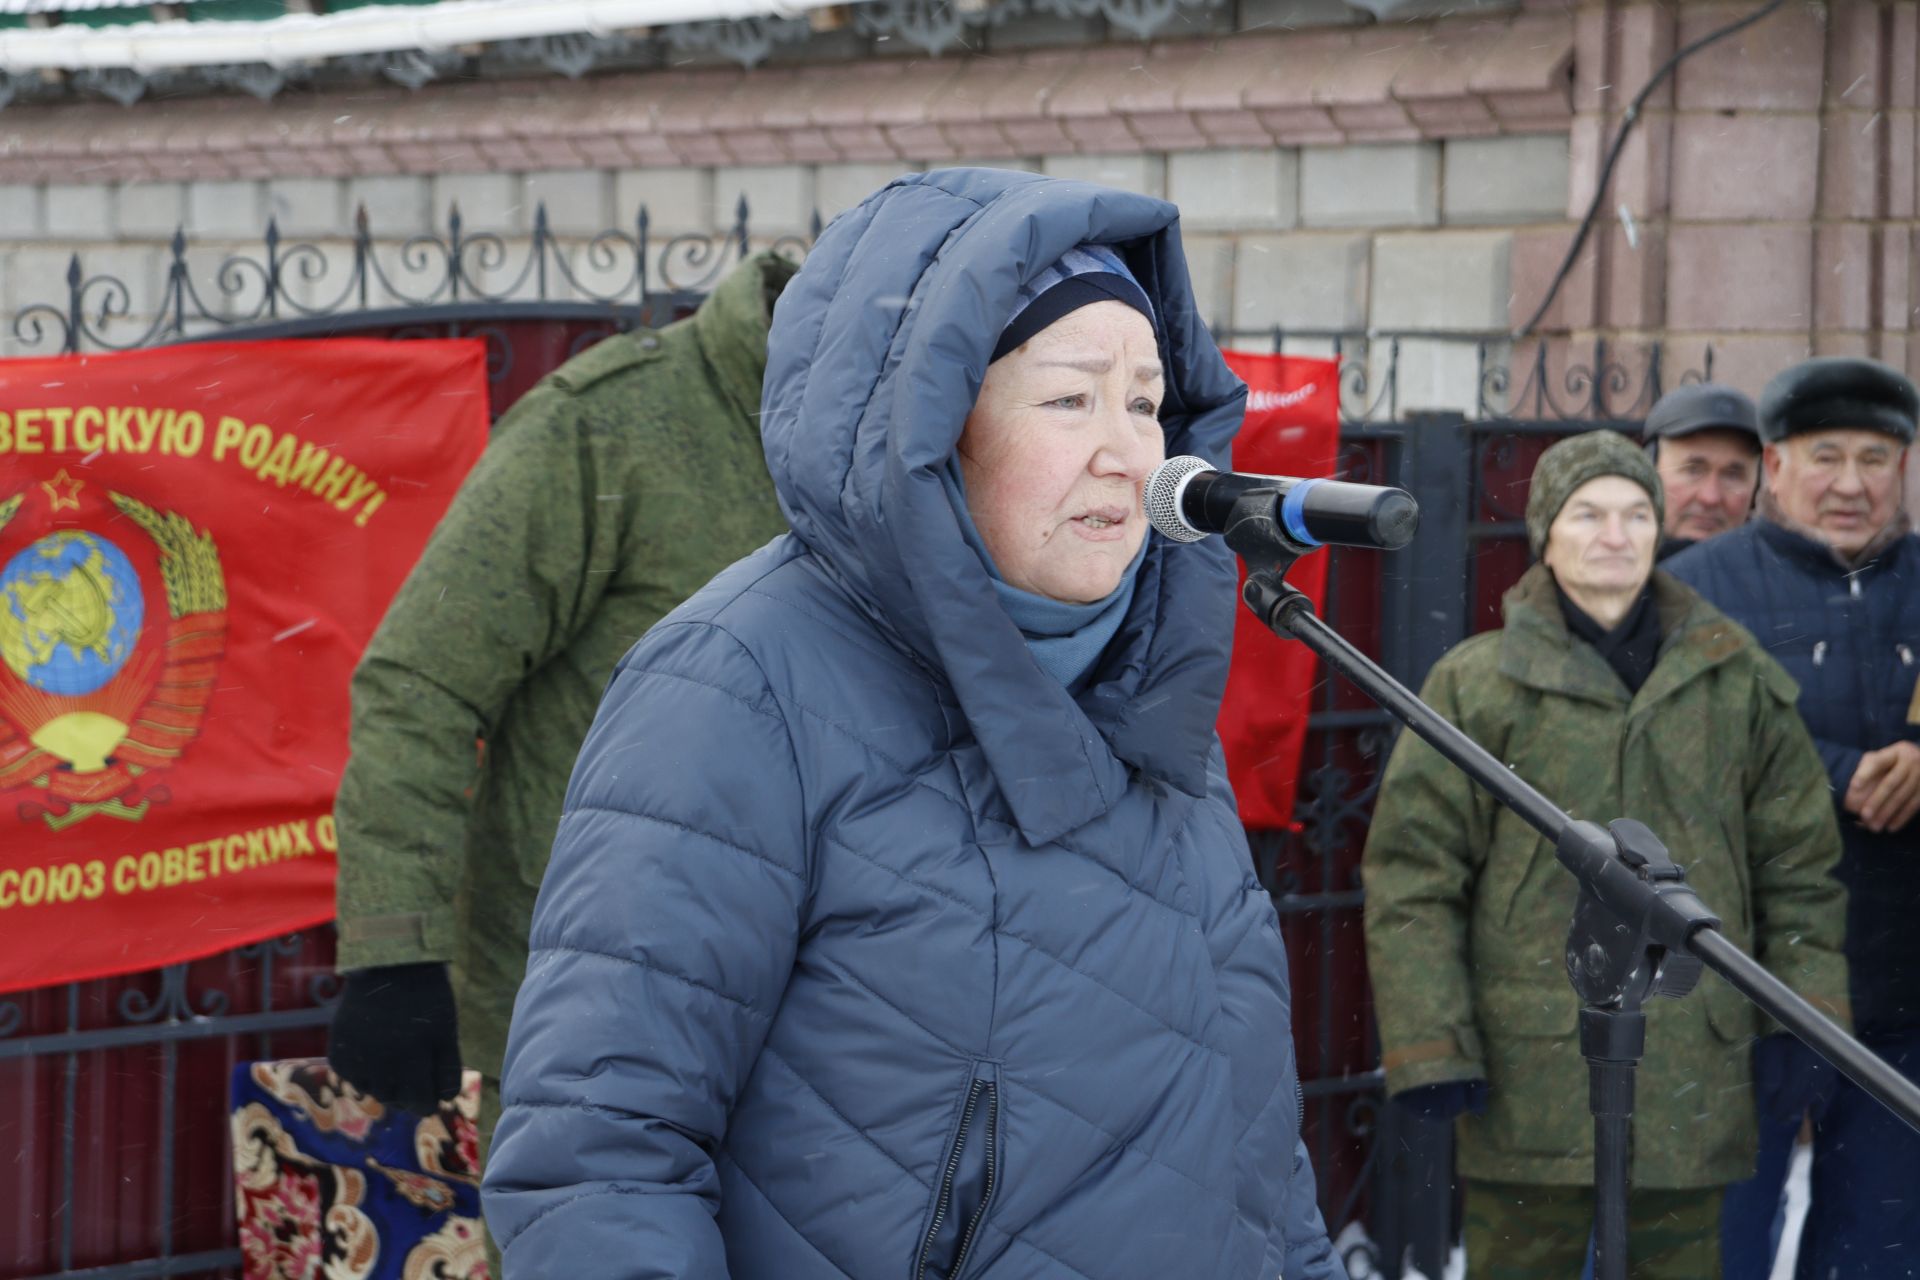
{"points": [[1702, 406], [1836, 393]]}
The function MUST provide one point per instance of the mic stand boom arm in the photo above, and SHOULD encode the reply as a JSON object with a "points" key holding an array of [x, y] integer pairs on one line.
{"points": [[1638, 930]]}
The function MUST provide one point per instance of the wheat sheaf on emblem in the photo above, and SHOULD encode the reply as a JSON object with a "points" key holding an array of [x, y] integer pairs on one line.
{"points": [[189, 562]]}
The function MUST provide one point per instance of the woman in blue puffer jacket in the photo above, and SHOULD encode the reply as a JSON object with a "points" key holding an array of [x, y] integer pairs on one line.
{"points": [[899, 925]]}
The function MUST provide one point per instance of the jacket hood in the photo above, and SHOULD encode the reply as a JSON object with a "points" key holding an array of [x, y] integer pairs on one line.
{"points": [[876, 355]]}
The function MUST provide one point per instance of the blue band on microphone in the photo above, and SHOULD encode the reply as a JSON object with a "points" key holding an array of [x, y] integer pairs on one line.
{"points": [[1293, 513]]}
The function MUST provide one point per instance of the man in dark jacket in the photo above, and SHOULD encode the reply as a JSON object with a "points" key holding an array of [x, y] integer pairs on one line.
{"points": [[577, 530], [1705, 441], [1828, 580], [1619, 693]]}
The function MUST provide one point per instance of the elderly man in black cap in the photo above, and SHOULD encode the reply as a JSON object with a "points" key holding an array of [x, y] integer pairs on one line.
{"points": [[1705, 441], [1828, 580]]}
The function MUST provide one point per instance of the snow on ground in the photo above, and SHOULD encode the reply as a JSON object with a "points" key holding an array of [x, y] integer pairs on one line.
{"points": [[1799, 1180]]}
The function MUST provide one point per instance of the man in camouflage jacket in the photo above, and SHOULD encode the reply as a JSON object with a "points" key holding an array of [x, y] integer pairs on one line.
{"points": [[613, 490], [1467, 907]]}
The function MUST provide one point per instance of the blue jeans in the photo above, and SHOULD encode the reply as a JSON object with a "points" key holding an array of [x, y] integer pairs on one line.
{"points": [[1864, 1219]]}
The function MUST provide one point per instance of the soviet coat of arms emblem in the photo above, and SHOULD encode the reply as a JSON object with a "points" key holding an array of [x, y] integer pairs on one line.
{"points": [[97, 693]]}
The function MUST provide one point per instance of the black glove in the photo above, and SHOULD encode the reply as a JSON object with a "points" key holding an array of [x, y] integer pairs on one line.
{"points": [[395, 1036], [1445, 1100], [1790, 1079]]}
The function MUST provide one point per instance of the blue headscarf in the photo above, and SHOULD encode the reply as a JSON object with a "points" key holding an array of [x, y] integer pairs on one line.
{"points": [[1084, 275], [1065, 638]]}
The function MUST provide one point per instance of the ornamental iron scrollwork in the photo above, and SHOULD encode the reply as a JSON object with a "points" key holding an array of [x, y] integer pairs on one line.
{"points": [[571, 54], [411, 68], [263, 80], [747, 41], [1603, 385], [123, 85], [937, 25], [172, 1002], [623, 269], [934, 26], [931, 25]]}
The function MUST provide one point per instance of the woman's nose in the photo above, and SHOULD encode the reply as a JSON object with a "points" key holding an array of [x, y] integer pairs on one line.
{"points": [[1125, 450]]}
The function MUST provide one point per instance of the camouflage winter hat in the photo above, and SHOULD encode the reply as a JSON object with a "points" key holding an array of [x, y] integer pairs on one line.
{"points": [[1576, 460]]}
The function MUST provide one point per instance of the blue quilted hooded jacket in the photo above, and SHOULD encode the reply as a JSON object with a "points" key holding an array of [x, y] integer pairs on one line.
{"points": [[866, 950]]}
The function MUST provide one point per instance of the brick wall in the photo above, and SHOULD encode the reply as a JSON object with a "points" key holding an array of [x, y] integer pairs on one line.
{"points": [[1399, 176], [1398, 235], [1347, 175], [1768, 194]]}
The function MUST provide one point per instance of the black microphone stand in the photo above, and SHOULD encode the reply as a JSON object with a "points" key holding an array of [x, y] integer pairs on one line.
{"points": [[1637, 931]]}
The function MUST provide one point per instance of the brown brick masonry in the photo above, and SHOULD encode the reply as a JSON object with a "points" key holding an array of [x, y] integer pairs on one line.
{"points": [[1457, 77]]}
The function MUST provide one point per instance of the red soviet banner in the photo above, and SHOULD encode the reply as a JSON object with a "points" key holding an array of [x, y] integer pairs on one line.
{"points": [[1292, 428], [196, 543]]}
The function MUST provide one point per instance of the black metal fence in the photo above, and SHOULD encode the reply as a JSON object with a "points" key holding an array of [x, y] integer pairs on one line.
{"points": [[112, 1093]]}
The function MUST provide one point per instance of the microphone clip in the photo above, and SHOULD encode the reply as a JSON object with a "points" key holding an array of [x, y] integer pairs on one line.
{"points": [[1255, 533]]}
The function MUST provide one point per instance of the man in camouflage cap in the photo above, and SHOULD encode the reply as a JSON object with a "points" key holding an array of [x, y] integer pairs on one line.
{"points": [[1617, 692], [579, 528]]}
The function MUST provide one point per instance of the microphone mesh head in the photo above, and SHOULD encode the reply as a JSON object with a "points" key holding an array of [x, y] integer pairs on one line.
{"points": [[1162, 497]]}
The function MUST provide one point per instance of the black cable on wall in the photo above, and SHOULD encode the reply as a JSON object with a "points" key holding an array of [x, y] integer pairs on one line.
{"points": [[1627, 122]]}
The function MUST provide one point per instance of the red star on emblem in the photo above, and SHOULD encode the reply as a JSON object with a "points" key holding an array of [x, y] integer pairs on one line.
{"points": [[63, 490]]}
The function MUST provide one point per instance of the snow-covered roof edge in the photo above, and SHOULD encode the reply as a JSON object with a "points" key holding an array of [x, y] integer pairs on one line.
{"points": [[299, 37]]}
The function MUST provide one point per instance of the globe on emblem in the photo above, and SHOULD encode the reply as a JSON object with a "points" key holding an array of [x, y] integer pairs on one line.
{"points": [[70, 613]]}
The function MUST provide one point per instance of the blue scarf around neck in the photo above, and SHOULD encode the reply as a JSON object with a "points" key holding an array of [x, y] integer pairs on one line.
{"points": [[1066, 639]]}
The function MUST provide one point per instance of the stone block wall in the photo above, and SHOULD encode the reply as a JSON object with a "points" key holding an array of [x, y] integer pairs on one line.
{"points": [[1766, 203], [1383, 177], [1313, 238]]}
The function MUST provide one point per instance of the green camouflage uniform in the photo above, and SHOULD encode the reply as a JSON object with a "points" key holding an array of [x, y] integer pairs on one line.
{"points": [[1467, 907], [577, 530], [1523, 1232]]}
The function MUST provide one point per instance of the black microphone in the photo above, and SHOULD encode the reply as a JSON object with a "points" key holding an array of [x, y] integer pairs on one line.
{"points": [[1186, 499]]}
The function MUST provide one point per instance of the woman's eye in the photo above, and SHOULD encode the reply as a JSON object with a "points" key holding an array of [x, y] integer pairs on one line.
{"points": [[1146, 406], [1076, 401]]}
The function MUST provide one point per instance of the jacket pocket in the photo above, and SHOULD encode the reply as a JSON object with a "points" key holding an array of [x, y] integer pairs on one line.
{"points": [[1536, 1078], [968, 1177]]}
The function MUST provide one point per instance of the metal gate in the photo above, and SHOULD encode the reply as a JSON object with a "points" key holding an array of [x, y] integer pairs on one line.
{"points": [[114, 1152], [1385, 1177]]}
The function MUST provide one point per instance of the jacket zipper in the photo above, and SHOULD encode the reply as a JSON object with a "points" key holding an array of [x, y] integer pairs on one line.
{"points": [[986, 1191], [1819, 653], [980, 1092]]}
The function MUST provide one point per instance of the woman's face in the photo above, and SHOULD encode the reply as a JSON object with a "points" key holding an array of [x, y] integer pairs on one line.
{"points": [[1056, 450]]}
